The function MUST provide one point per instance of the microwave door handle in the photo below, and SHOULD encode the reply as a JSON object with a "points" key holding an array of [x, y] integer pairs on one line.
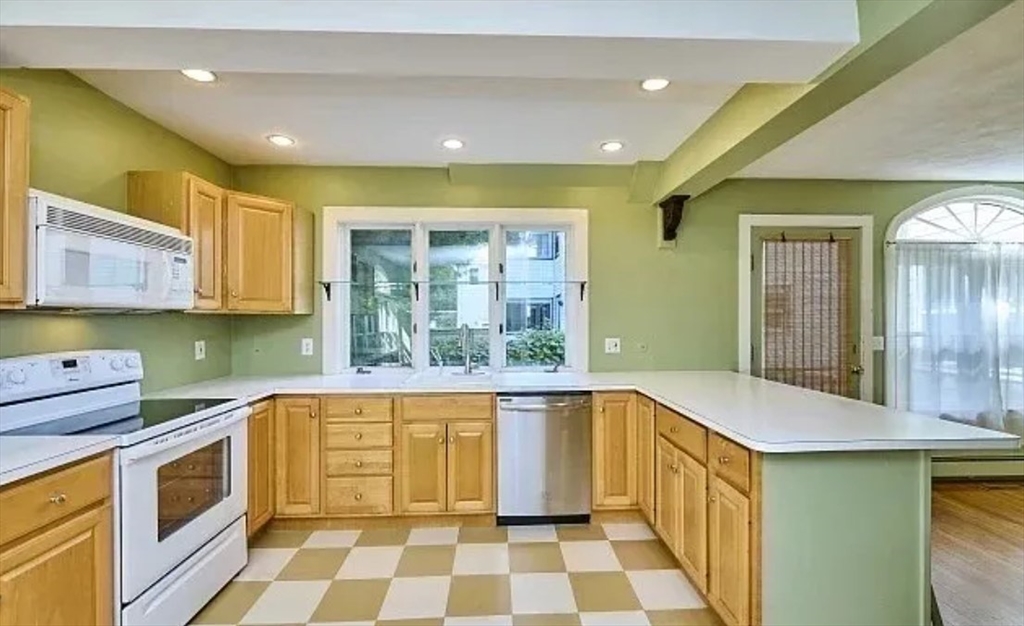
{"points": [[148, 449]]}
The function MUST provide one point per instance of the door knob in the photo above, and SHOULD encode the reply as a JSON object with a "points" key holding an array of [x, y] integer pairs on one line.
{"points": [[359, 463], [711, 498], [359, 496], [58, 498], [359, 410], [234, 294], [359, 436], [440, 440], [451, 439]]}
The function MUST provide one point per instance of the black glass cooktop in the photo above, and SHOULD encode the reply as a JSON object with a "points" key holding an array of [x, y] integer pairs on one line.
{"points": [[121, 419]]}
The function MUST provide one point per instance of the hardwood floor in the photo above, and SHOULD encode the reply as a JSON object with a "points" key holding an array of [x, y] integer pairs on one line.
{"points": [[978, 552]]}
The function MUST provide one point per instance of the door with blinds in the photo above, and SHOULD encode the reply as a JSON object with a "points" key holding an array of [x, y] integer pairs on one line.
{"points": [[806, 327]]}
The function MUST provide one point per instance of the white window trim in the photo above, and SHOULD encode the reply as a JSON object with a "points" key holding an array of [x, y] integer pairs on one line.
{"points": [[865, 224], [335, 219], [999, 195]]}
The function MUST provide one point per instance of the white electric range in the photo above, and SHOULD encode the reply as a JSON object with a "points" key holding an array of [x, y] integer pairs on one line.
{"points": [[180, 476]]}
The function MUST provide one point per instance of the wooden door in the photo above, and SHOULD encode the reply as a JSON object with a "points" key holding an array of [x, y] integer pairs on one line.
{"points": [[614, 450], [14, 115], [62, 576], [261, 466], [693, 515], [206, 227], [470, 467], [423, 474], [729, 552], [645, 456], [666, 479], [259, 246], [297, 456]]}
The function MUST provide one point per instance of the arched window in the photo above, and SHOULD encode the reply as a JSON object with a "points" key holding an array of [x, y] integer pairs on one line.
{"points": [[955, 308]]}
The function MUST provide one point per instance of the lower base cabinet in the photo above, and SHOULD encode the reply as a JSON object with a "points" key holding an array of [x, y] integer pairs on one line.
{"points": [[729, 552], [260, 507], [693, 534], [297, 456], [447, 467]]}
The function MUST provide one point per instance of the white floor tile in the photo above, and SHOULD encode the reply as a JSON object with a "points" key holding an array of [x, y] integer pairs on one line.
{"points": [[615, 618], [662, 589], [433, 537], [479, 620], [409, 598], [628, 532], [590, 556], [332, 539], [531, 534], [266, 563], [287, 602], [481, 558], [371, 562], [542, 593]]}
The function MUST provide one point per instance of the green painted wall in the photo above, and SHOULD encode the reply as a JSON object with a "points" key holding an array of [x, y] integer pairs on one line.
{"points": [[82, 144]]}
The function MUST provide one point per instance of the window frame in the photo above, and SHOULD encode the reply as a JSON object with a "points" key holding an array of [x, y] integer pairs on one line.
{"points": [[338, 221]]}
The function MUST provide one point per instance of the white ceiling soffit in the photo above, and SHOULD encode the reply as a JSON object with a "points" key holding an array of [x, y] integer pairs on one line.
{"points": [[729, 41], [957, 114]]}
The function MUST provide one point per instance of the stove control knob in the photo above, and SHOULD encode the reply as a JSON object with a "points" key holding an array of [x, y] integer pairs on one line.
{"points": [[132, 362], [117, 364], [16, 376]]}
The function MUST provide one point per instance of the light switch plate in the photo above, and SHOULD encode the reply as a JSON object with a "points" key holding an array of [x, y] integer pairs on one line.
{"points": [[307, 346], [612, 345], [200, 350]]}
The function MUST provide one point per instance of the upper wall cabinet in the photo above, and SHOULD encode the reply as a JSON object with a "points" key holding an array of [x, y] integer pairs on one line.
{"points": [[13, 190], [252, 254]]}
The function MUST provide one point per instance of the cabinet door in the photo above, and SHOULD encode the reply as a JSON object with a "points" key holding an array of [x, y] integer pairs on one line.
{"points": [[729, 552], [206, 227], [693, 544], [666, 479], [614, 449], [259, 245], [470, 467], [645, 456], [13, 191], [62, 576], [261, 466], [422, 468], [297, 456]]}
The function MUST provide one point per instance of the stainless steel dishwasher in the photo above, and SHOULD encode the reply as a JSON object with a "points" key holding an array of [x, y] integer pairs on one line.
{"points": [[543, 458]]}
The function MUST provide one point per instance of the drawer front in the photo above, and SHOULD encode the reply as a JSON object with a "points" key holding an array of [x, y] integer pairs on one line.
{"points": [[358, 435], [358, 408], [686, 434], [40, 501], [730, 461], [463, 406], [359, 496], [357, 462]]}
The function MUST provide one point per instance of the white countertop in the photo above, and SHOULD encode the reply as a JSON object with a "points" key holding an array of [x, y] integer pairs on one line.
{"points": [[21, 457], [762, 415]]}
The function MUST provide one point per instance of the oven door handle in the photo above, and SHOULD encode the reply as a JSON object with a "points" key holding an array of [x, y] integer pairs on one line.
{"points": [[178, 438]]}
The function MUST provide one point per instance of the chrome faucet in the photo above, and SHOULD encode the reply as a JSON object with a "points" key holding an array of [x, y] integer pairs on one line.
{"points": [[464, 341]]}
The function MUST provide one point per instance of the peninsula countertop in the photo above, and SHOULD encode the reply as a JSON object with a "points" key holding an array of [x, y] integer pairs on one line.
{"points": [[762, 415], [21, 457]]}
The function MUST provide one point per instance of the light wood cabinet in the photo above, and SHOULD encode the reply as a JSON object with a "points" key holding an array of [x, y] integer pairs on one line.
{"points": [[667, 507], [614, 443], [206, 227], [297, 456], [259, 263], [692, 547], [358, 455], [729, 552], [261, 466], [14, 143], [470, 467], [645, 456], [423, 471]]}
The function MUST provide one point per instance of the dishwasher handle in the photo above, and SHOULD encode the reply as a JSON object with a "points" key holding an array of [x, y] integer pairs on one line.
{"points": [[541, 408]]}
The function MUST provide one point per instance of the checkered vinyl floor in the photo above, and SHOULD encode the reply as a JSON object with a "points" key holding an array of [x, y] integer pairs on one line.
{"points": [[601, 574]]}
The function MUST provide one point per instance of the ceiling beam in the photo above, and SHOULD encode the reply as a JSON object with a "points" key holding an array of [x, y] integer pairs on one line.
{"points": [[760, 118]]}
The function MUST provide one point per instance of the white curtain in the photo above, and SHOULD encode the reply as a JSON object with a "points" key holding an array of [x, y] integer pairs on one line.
{"points": [[959, 332]]}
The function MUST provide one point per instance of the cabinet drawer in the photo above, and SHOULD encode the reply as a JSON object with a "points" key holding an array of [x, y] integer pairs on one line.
{"points": [[357, 435], [40, 501], [358, 408], [346, 462], [463, 406], [359, 496], [729, 460], [684, 433]]}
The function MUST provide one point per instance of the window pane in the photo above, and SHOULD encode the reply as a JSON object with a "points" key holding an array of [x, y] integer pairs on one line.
{"points": [[535, 297], [459, 295], [381, 298], [189, 485]]}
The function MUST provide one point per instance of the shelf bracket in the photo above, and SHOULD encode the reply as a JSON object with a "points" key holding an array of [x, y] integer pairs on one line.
{"points": [[672, 216], [327, 289], [583, 289]]}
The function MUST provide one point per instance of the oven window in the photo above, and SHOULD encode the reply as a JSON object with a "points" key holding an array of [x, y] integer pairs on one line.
{"points": [[192, 484]]}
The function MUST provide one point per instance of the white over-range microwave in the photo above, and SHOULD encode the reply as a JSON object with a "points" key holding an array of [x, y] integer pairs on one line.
{"points": [[85, 257]]}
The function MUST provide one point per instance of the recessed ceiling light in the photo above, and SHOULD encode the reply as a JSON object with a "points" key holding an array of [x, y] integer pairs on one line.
{"points": [[612, 146], [654, 84], [200, 76], [283, 141], [453, 144]]}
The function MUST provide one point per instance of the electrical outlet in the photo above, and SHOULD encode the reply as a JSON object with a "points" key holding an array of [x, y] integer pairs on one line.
{"points": [[612, 345], [307, 346], [200, 350]]}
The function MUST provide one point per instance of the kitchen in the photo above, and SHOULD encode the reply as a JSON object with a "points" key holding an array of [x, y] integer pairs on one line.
{"points": [[267, 277]]}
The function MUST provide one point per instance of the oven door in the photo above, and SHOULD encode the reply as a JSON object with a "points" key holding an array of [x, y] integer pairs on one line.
{"points": [[177, 492]]}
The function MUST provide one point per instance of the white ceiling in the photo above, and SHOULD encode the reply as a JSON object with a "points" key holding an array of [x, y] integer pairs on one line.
{"points": [[957, 114]]}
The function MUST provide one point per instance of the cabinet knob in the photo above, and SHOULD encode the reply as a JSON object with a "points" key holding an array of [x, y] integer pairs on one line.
{"points": [[58, 498], [451, 439], [674, 468], [359, 463], [711, 498], [359, 410], [234, 294], [601, 409], [312, 415], [359, 436], [440, 440], [359, 496], [723, 460], [673, 429]]}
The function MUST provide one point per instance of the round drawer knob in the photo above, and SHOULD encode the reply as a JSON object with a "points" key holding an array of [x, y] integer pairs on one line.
{"points": [[191, 499], [359, 410], [724, 460], [359, 463], [359, 436], [359, 496], [58, 498], [440, 440], [191, 467], [673, 429]]}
